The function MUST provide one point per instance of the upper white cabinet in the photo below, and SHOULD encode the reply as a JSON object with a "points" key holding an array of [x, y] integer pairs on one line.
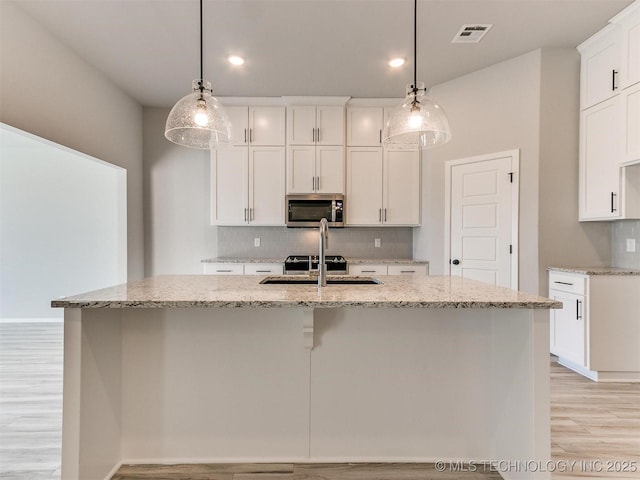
{"points": [[264, 126], [315, 125], [315, 149], [364, 126], [600, 67], [383, 186], [610, 120], [247, 186]]}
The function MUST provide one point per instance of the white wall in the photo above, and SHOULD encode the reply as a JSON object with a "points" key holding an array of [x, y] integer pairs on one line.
{"points": [[530, 103], [47, 90], [62, 224], [178, 234], [491, 110]]}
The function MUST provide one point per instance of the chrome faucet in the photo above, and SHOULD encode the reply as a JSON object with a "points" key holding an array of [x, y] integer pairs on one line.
{"points": [[323, 243]]}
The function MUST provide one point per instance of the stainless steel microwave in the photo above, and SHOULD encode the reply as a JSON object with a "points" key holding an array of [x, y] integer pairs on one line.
{"points": [[308, 210]]}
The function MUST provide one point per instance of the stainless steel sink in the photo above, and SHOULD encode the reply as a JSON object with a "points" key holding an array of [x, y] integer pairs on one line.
{"points": [[307, 280]]}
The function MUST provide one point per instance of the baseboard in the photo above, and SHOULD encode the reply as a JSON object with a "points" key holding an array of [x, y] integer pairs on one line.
{"points": [[601, 376]]}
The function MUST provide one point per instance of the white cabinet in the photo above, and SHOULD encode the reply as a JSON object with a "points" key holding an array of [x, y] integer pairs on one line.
{"points": [[315, 169], [383, 186], [597, 332], [315, 149], [629, 21], [247, 186], [224, 268], [599, 166], [389, 269], [630, 99], [600, 67], [263, 126], [364, 126], [315, 125]]}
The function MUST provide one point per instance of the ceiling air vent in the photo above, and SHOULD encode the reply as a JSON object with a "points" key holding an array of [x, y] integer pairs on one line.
{"points": [[471, 33]]}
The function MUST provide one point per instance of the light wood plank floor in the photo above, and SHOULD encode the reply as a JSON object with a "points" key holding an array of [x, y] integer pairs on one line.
{"points": [[594, 425]]}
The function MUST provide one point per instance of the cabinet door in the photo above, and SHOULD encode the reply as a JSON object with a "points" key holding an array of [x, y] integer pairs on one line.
{"points": [[266, 186], [330, 169], [407, 270], [599, 161], [229, 184], [367, 269], [239, 117], [364, 186], [263, 268], [223, 269], [600, 70], [301, 122], [330, 125], [301, 169], [631, 49], [401, 187], [568, 336], [266, 126], [364, 126], [630, 98]]}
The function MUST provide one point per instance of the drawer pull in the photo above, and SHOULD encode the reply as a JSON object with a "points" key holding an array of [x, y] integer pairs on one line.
{"points": [[368, 271], [407, 271], [578, 304], [223, 271], [263, 271], [563, 283]]}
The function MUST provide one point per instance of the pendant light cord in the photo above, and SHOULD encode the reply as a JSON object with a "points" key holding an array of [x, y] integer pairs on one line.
{"points": [[415, 46], [201, 62]]}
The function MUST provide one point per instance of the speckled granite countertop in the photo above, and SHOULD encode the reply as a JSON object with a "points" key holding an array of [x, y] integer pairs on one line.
{"points": [[242, 260], [596, 270], [246, 291], [385, 261]]}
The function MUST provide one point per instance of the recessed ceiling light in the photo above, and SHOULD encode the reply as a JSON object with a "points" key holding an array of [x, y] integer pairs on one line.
{"points": [[235, 60], [396, 62]]}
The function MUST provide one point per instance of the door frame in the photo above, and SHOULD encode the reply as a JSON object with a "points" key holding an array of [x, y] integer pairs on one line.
{"points": [[515, 206]]}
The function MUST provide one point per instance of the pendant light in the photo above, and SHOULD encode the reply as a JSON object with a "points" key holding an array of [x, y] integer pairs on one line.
{"points": [[198, 119], [418, 122]]}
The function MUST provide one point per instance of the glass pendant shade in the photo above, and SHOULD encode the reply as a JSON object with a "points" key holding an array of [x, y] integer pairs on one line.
{"points": [[198, 120], [418, 122]]}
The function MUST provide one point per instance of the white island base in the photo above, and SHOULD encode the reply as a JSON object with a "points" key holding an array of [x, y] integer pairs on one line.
{"points": [[206, 385]]}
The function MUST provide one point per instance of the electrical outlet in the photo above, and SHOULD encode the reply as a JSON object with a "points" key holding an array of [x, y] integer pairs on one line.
{"points": [[631, 245], [376, 242], [256, 242]]}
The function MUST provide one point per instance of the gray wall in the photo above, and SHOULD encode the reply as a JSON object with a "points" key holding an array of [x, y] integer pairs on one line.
{"points": [[620, 231], [47, 90]]}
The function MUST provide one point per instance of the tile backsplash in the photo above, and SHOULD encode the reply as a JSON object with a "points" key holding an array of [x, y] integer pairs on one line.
{"points": [[278, 242], [620, 232]]}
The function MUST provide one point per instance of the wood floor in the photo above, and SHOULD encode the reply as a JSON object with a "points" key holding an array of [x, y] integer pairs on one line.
{"points": [[595, 427]]}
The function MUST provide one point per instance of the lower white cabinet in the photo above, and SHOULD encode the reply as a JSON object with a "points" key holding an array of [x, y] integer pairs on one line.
{"points": [[243, 268], [597, 332], [389, 269]]}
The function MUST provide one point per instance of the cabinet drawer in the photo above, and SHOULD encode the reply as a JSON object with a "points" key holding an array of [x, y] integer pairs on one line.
{"points": [[367, 270], [567, 283], [223, 269], [407, 270], [263, 269]]}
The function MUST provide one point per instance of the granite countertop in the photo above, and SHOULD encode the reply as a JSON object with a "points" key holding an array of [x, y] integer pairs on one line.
{"points": [[246, 291], [596, 270], [351, 261]]}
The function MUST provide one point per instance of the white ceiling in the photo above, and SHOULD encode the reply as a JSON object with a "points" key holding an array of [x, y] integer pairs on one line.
{"points": [[150, 48]]}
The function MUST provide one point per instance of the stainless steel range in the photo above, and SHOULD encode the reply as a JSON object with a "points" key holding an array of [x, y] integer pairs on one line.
{"points": [[301, 264]]}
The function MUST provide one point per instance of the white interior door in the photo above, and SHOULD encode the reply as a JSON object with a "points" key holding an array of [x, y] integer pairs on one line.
{"points": [[482, 215]]}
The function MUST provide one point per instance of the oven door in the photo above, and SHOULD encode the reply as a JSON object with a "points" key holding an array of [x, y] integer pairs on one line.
{"points": [[308, 210]]}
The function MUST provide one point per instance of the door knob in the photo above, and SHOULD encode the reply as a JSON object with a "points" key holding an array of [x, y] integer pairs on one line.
{"points": [[455, 261]]}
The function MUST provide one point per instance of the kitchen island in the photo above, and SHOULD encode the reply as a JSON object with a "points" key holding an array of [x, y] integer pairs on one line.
{"points": [[224, 369]]}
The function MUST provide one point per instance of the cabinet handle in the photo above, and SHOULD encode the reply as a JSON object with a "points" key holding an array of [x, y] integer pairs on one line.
{"points": [[578, 303], [407, 271], [613, 196], [380, 215], [251, 135], [380, 136], [223, 271], [318, 135], [245, 214], [251, 214], [368, 271], [385, 214], [263, 271], [318, 183], [245, 135], [614, 84], [313, 134], [563, 283]]}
